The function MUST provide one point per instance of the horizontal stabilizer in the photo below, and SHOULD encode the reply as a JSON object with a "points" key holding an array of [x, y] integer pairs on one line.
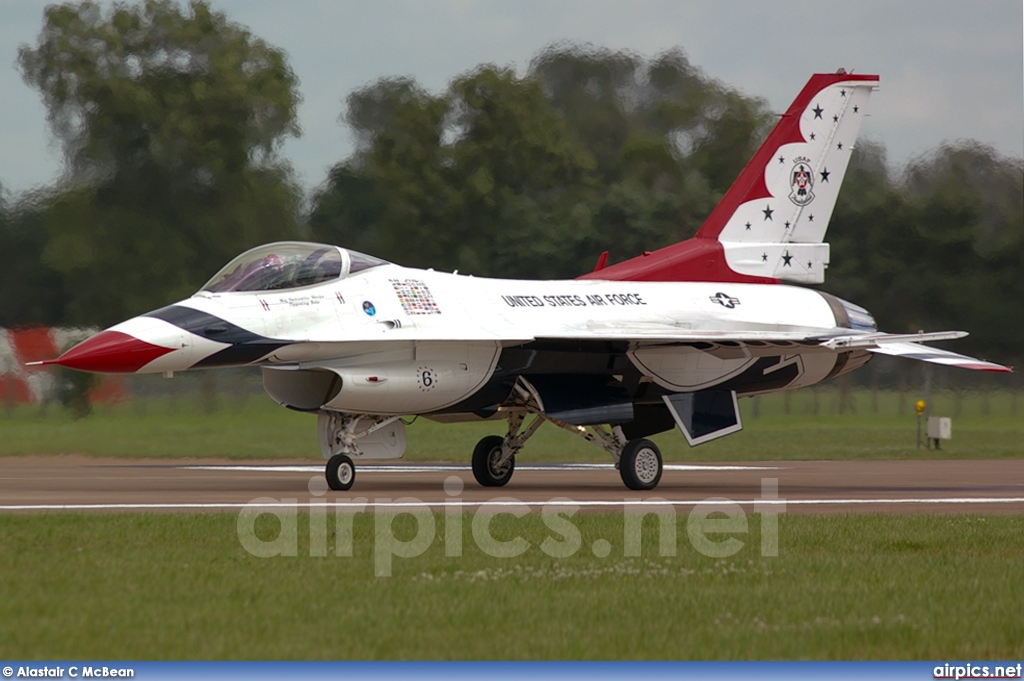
{"points": [[706, 415], [870, 340], [936, 356], [909, 345]]}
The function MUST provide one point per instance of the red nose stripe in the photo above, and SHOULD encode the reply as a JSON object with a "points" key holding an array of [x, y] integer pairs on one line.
{"points": [[110, 352]]}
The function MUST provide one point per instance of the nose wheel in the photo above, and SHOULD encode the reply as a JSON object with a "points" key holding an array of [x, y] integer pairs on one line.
{"points": [[340, 473]]}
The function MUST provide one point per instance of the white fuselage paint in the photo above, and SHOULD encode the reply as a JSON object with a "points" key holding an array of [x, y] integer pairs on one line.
{"points": [[404, 340]]}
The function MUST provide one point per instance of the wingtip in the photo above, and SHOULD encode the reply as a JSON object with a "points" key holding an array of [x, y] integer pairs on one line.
{"points": [[990, 367]]}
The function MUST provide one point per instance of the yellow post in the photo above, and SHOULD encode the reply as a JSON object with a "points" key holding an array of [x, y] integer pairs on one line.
{"points": [[921, 406]]}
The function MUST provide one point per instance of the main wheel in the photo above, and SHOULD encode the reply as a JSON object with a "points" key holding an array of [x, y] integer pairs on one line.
{"points": [[341, 472], [640, 464], [486, 469]]}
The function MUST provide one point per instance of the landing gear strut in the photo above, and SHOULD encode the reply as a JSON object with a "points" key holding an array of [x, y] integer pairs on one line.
{"points": [[639, 461]]}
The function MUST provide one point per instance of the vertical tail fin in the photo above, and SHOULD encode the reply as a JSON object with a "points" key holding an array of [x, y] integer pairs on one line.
{"points": [[770, 225]]}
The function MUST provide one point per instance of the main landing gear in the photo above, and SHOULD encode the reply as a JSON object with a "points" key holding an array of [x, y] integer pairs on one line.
{"points": [[640, 464], [639, 461], [492, 466], [347, 436]]}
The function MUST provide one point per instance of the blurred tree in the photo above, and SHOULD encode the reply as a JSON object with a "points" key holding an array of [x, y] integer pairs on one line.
{"points": [[872, 240], [971, 228], [595, 91], [484, 179], [524, 182], [940, 248], [715, 128], [395, 197], [31, 292], [170, 121], [593, 150], [668, 141]]}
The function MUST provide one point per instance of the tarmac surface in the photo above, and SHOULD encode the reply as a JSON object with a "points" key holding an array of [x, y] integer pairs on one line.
{"points": [[80, 483]]}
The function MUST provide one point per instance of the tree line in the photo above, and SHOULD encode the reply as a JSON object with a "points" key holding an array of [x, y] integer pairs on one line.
{"points": [[171, 121]]}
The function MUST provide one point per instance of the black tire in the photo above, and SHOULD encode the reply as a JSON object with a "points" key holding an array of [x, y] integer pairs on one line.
{"points": [[640, 464], [340, 473], [487, 451]]}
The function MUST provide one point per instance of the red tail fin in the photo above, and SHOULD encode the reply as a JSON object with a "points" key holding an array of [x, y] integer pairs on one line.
{"points": [[770, 225]]}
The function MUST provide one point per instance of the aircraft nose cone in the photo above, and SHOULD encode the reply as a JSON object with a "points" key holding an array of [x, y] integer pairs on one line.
{"points": [[111, 352]]}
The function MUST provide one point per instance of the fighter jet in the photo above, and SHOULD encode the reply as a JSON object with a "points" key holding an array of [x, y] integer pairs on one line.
{"points": [[670, 338]]}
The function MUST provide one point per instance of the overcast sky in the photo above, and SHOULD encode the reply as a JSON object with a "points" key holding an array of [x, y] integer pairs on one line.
{"points": [[949, 69]]}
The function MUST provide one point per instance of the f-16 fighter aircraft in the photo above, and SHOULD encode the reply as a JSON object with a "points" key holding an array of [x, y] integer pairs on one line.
{"points": [[669, 338]]}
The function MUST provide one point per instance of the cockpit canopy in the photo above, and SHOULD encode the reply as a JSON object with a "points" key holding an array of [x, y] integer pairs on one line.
{"points": [[287, 265]]}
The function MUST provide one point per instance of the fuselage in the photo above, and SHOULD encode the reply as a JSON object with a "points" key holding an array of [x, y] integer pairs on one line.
{"points": [[391, 339]]}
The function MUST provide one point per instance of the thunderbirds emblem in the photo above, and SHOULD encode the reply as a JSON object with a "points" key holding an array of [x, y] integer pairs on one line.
{"points": [[801, 180]]}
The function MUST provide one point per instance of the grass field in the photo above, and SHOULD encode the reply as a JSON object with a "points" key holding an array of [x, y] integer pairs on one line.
{"points": [[805, 425], [183, 587]]}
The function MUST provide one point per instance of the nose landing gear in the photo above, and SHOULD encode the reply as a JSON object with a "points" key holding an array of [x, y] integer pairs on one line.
{"points": [[340, 473], [344, 436]]}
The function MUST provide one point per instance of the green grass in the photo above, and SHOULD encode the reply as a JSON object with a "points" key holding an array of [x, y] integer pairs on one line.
{"points": [[805, 425], [256, 429], [181, 586]]}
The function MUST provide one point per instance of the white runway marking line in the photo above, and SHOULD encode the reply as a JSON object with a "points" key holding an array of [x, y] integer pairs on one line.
{"points": [[464, 468], [387, 503]]}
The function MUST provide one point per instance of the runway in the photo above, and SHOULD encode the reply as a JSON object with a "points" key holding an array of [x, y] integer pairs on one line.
{"points": [[87, 484]]}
